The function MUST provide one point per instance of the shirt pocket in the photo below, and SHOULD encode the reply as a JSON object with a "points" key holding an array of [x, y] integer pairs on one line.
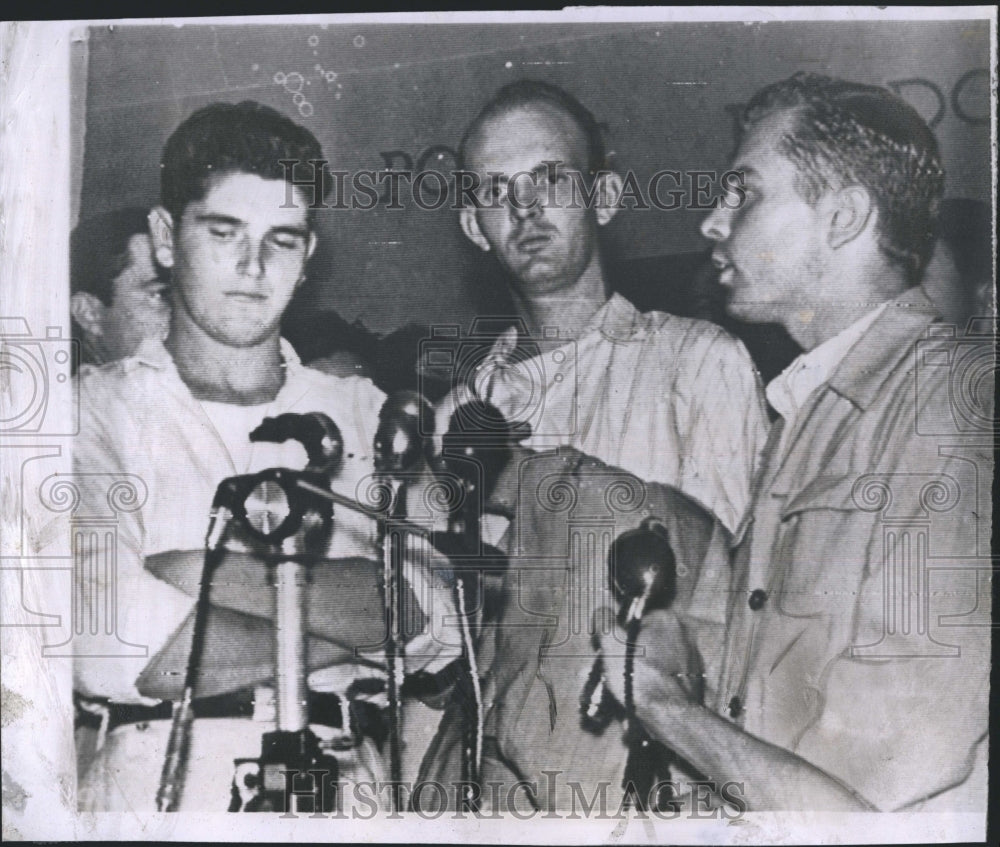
{"points": [[823, 549]]}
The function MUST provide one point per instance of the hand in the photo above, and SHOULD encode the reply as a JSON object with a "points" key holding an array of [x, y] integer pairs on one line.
{"points": [[666, 665]]}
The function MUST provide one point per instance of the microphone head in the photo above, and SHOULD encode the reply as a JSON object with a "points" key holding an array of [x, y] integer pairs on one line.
{"points": [[477, 445], [641, 562], [480, 420], [315, 431], [403, 437]]}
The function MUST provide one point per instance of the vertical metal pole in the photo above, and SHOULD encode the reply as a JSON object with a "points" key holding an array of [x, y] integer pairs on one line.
{"points": [[290, 647], [391, 574]]}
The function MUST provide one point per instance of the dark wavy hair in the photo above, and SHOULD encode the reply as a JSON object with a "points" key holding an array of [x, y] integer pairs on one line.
{"points": [[846, 133], [99, 250], [225, 138]]}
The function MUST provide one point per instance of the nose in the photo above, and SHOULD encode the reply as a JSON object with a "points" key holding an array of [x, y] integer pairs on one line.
{"points": [[715, 227], [251, 257], [524, 199]]}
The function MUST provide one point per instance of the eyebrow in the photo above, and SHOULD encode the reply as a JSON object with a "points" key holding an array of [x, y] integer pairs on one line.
{"points": [[212, 218], [540, 169], [302, 232], [746, 170]]}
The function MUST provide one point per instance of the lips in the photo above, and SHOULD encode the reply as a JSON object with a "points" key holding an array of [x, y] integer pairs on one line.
{"points": [[534, 242], [724, 267], [720, 261], [246, 297]]}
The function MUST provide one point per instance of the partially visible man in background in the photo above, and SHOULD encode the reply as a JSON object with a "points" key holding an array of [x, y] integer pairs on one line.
{"points": [[119, 297], [959, 276]]}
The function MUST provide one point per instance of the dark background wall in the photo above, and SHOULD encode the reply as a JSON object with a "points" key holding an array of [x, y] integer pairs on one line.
{"points": [[379, 95]]}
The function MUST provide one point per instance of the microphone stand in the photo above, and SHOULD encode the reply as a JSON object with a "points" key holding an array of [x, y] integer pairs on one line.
{"points": [[291, 527], [399, 446], [168, 795]]}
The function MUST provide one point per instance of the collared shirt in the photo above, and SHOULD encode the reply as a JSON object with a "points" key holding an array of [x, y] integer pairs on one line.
{"points": [[148, 460], [788, 391], [858, 632], [672, 400]]}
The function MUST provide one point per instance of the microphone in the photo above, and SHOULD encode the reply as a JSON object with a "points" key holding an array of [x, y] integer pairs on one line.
{"points": [[320, 436], [642, 571], [643, 575], [403, 437], [479, 435], [401, 440], [477, 449]]}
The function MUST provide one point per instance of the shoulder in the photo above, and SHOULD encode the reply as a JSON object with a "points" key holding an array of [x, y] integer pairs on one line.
{"points": [[693, 339], [124, 380], [340, 391]]}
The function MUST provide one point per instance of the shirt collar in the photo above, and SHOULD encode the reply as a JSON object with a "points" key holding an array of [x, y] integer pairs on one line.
{"points": [[788, 391], [151, 352], [616, 319], [872, 361]]}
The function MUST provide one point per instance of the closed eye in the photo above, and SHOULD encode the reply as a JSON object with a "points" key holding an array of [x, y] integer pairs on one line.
{"points": [[222, 233], [157, 291], [287, 240]]}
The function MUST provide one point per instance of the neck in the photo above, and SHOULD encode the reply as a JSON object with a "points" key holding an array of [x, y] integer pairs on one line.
{"points": [[570, 309], [92, 350], [857, 293], [213, 371]]}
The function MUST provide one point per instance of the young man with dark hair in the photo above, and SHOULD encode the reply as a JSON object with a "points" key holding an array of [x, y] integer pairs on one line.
{"points": [[172, 422], [856, 672]]}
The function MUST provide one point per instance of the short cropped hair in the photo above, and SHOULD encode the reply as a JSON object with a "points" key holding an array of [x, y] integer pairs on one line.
{"points": [[226, 138], [847, 133], [533, 92], [99, 250]]}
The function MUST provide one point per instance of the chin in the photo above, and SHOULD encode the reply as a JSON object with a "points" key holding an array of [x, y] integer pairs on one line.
{"points": [[754, 313]]}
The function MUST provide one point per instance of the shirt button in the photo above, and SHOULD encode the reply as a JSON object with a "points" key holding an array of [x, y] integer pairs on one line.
{"points": [[758, 597], [735, 707]]}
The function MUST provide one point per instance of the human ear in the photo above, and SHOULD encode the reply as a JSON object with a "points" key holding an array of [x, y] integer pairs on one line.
{"points": [[609, 190], [88, 311], [852, 211], [161, 233], [470, 226], [310, 249]]}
